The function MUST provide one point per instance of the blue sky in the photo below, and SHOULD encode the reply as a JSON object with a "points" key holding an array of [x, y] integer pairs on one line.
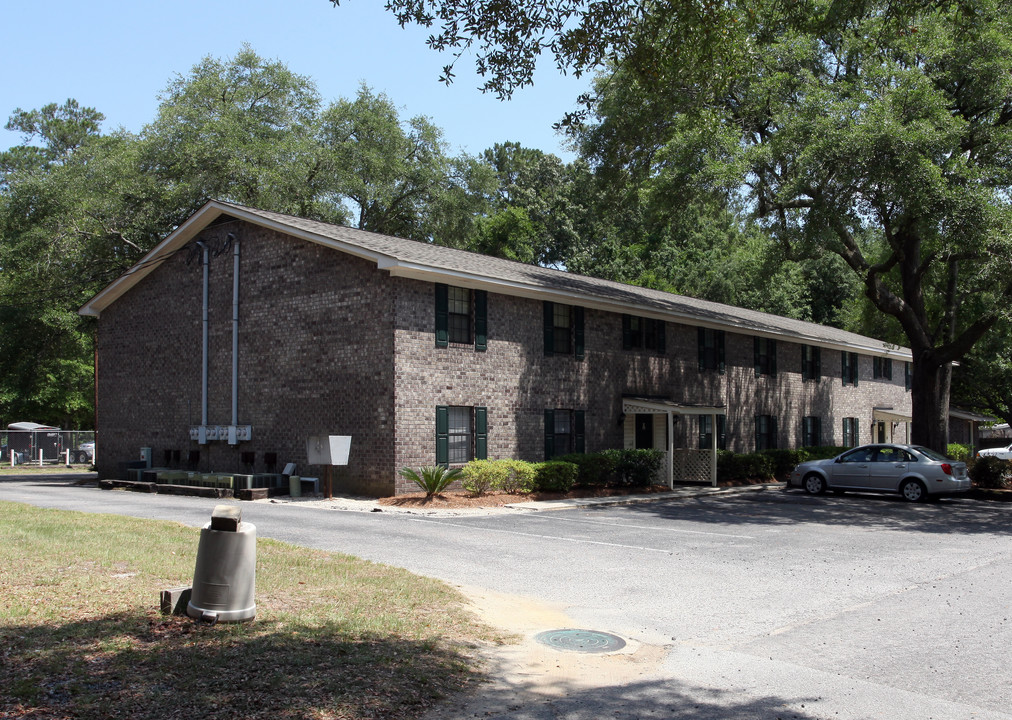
{"points": [[117, 56]]}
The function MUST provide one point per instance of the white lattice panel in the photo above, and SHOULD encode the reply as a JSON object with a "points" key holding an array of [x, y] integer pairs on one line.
{"points": [[692, 465]]}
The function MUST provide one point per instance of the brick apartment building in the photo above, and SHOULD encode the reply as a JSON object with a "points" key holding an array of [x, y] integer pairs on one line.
{"points": [[245, 332]]}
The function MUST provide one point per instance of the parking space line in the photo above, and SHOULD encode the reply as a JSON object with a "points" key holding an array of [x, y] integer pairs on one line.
{"points": [[642, 527], [578, 541]]}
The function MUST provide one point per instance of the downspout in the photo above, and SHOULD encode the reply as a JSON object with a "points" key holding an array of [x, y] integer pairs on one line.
{"points": [[235, 329], [671, 449], [203, 362]]}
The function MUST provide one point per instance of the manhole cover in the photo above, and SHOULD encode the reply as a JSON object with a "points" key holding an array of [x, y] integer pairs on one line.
{"points": [[587, 641]]}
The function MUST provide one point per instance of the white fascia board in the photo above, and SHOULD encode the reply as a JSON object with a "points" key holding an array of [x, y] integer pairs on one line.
{"points": [[469, 280]]}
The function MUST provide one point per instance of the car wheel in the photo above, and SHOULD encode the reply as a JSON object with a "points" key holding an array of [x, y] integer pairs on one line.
{"points": [[913, 491], [814, 484]]}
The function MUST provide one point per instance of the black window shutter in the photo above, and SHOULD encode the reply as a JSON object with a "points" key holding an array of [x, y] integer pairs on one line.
{"points": [[549, 434], [549, 312], [805, 350], [701, 339], [758, 433], [845, 367], [818, 362], [756, 356], [771, 348], [480, 320], [773, 432], [661, 342], [442, 316], [442, 435], [481, 433], [578, 332], [720, 351], [626, 332], [579, 441]]}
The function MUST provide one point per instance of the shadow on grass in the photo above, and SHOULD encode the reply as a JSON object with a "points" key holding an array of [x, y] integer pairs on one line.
{"points": [[148, 666]]}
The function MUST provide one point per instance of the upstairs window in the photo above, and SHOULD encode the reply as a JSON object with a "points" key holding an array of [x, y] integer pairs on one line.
{"points": [[882, 368], [461, 316], [643, 334], [711, 349], [811, 362], [765, 356], [563, 329], [848, 368]]}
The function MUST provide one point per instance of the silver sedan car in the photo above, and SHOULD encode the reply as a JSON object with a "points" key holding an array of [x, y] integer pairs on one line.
{"points": [[912, 471]]}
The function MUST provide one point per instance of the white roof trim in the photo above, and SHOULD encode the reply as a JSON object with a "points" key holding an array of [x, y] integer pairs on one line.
{"points": [[658, 407]]}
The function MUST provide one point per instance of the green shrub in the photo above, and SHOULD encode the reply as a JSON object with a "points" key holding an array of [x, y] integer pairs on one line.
{"points": [[433, 479], [480, 476], [594, 468], [746, 466], [822, 452], [637, 468], [991, 472], [785, 460], [959, 452], [555, 476], [518, 478]]}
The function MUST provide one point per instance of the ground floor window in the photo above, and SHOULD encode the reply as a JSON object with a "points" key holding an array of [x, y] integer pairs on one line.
{"points": [[765, 432], [811, 431], [564, 432], [850, 432], [706, 432], [461, 434]]}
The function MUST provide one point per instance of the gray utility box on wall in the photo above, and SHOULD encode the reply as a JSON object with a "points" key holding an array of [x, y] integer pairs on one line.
{"points": [[224, 578]]}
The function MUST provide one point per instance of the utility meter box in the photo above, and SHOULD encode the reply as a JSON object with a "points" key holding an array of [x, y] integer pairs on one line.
{"points": [[224, 579], [328, 449]]}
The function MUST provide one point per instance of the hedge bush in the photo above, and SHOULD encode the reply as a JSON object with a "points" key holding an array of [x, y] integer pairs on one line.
{"points": [[519, 478], [785, 460], [823, 452], [481, 476], [594, 469], [637, 468], [746, 466], [991, 472], [555, 476]]}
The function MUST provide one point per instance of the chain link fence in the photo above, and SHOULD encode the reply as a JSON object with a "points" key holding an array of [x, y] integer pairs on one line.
{"points": [[47, 446]]}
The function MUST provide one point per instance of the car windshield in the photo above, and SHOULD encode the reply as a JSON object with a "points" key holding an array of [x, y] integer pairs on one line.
{"points": [[931, 454]]}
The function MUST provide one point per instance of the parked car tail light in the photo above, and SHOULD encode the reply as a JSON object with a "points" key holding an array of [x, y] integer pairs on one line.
{"points": [[947, 468]]}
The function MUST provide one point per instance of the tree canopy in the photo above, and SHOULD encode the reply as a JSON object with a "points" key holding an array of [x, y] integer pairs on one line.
{"points": [[876, 130]]}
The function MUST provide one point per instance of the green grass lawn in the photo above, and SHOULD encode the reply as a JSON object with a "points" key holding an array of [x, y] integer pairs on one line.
{"points": [[81, 635]]}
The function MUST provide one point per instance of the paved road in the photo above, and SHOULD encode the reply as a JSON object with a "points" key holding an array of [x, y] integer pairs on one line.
{"points": [[768, 605]]}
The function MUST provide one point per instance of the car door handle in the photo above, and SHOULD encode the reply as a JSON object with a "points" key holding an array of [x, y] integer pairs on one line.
{"points": [[901, 465]]}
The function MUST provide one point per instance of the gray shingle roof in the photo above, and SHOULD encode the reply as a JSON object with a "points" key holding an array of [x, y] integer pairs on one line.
{"points": [[413, 258]]}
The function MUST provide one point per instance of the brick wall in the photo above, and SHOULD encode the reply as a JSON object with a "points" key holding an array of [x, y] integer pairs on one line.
{"points": [[329, 344], [517, 382], [315, 349]]}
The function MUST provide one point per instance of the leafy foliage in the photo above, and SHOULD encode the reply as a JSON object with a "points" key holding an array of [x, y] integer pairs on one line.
{"points": [[991, 472], [432, 479], [555, 476], [637, 468]]}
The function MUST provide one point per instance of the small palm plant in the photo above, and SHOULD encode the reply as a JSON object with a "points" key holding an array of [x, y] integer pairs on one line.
{"points": [[433, 479]]}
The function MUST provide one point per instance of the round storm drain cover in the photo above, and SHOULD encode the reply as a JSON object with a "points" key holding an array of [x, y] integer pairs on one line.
{"points": [[587, 641]]}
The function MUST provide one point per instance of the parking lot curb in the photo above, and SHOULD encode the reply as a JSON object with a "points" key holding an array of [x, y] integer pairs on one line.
{"points": [[680, 493]]}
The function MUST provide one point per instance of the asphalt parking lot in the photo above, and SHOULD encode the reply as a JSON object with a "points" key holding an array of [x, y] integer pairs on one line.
{"points": [[765, 604]]}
